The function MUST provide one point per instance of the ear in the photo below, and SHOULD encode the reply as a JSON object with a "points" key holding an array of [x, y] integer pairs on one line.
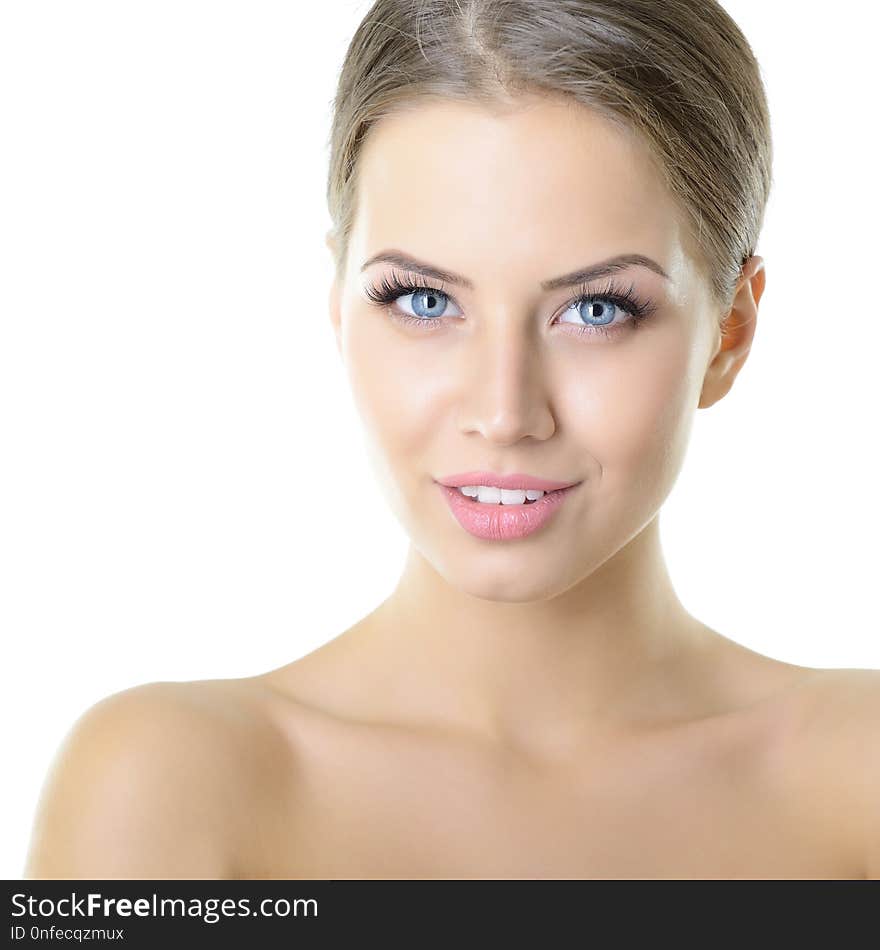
{"points": [[736, 333], [334, 303]]}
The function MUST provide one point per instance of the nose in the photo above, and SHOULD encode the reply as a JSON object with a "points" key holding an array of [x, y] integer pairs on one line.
{"points": [[505, 396]]}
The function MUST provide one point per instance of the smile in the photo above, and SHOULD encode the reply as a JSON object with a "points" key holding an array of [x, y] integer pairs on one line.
{"points": [[489, 495], [491, 517]]}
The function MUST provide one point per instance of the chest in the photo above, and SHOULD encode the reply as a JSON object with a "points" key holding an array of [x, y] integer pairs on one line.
{"points": [[375, 807]]}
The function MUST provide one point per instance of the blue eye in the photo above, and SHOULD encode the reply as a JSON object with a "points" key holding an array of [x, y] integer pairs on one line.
{"points": [[427, 302], [595, 312]]}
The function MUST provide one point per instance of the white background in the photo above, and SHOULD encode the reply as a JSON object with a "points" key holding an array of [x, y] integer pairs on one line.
{"points": [[170, 391]]}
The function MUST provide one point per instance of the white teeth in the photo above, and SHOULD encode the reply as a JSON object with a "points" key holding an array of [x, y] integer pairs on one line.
{"points": [[493, 496]]}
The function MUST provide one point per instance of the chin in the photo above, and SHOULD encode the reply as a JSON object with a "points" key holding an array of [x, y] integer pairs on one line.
{"points": [[507, 584]]}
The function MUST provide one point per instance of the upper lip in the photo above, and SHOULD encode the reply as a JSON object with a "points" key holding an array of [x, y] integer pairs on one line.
{"points": [[513, 481]]}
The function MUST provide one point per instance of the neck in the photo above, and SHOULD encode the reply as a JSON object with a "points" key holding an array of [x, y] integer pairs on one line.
{"points": [[603, 652]]}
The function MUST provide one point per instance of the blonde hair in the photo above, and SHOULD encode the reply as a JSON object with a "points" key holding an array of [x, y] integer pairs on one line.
{"points": [[677, 73]]}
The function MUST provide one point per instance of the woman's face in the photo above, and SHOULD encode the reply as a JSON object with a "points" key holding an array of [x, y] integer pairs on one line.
{"points": [[505, 375]]}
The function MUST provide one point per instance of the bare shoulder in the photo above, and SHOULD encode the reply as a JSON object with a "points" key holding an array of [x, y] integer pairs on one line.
{"points": [[149, 783], [837, 750]]}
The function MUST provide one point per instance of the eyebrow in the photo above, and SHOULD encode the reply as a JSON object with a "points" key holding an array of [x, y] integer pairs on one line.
{"points": [[580, 276]]}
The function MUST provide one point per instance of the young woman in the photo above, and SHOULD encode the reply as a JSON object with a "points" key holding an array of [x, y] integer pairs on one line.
{"points": [[545, 218]]}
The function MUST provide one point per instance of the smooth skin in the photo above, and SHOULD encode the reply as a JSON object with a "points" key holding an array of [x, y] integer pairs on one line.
{"points": [[542, 708]]}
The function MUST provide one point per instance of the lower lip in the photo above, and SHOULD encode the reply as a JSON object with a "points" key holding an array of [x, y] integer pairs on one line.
{"points": [[504, 522]]}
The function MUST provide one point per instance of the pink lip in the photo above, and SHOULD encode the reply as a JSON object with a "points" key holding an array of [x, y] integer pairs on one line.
{"points": [[503, 522], [516, 480]]}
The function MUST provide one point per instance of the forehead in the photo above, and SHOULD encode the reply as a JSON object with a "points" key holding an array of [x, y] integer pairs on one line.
{"points": [[524, 185]]}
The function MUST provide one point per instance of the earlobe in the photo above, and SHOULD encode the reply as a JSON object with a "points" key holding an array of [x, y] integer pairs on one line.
{"points": [[737, 333]]}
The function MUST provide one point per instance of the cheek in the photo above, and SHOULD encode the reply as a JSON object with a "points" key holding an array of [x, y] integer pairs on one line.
{"points": [[395, 390], [634, 413]]}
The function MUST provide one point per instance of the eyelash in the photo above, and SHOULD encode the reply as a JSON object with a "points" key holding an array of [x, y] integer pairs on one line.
{"points": [[626, 299]]}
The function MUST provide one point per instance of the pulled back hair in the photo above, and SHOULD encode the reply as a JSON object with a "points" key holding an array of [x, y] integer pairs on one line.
{"points": [[679, 74]]}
